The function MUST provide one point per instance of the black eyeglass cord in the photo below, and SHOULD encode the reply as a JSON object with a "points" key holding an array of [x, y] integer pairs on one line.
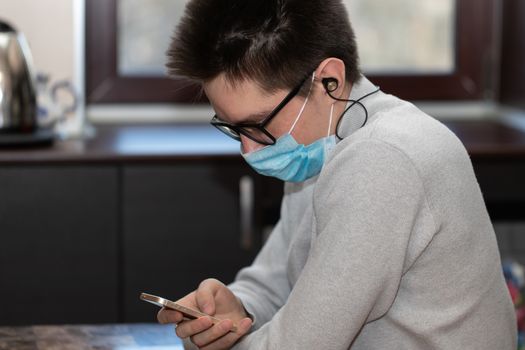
{"points": [[354, 102]]}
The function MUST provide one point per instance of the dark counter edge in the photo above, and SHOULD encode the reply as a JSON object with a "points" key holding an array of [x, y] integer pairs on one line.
{"points": [[117, 159]]}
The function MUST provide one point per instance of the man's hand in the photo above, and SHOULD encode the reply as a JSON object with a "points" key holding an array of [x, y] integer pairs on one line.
{"points": [[215, 299]]}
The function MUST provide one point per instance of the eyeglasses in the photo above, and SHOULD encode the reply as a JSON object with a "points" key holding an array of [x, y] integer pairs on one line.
{"points": [[256, 131]]}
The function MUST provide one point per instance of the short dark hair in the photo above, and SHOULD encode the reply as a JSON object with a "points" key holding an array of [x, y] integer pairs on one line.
{"points": [[275, 43]]}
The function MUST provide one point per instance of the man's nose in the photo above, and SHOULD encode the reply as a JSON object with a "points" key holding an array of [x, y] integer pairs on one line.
{"points": [[248, 145]]}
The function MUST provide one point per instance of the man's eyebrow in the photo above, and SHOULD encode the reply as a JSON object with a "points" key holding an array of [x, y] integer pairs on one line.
{"points": [[257, 117]]}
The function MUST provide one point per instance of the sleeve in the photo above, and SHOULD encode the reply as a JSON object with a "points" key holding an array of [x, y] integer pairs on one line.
{"points": [[365, 206], [263, 287]]}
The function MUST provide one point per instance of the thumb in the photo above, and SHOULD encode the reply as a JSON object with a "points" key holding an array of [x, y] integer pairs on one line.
{"points": [[205, 295]]}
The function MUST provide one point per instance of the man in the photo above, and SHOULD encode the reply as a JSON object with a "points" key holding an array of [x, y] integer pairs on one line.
{"points": [[384, 241]]}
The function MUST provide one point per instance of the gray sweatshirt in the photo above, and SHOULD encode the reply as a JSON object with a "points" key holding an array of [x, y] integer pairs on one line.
{"points": [[390, 247]]}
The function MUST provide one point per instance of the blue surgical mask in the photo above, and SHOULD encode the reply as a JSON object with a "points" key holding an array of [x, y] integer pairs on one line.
{"points": [[289, 161]]}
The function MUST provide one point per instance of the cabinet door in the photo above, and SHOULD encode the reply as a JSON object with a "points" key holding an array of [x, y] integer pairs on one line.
{"points": [[182, 224], [502, 186], [58, 228]]}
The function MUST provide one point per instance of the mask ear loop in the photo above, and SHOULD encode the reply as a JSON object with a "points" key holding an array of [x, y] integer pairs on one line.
{"points": [[330, 122], [304, 105], [354, 102]]}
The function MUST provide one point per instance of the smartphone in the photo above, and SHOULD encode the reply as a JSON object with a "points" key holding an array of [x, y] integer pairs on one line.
{"points": [[188, 313]]}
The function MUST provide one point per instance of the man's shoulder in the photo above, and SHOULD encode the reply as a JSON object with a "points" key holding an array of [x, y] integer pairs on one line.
{"points": [[424, 140]]}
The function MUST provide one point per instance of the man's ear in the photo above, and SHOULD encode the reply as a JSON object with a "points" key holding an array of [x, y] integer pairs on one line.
{"points": [[332, 73]]}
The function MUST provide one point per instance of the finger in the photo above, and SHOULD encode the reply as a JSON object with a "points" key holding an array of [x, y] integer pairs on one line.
{"points": [[165, 316], [205, 295], [244, 326], [212, 334], [188, 328], [228, 340]]}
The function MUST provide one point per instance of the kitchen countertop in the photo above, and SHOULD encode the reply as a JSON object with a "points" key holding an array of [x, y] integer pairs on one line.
{"points": [[90, 337], [167, 143], [132, 143], [489, 138]]}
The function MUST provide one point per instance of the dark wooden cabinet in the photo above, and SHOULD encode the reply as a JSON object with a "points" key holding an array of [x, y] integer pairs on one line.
{"points": [[58, 229], [183, 224], [80, 242], [502, 183]]}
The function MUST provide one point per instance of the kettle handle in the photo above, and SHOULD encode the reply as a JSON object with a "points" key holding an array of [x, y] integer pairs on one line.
{"points": [[67, 86]]}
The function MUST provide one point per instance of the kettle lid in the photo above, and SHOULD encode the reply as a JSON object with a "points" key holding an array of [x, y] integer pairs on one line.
{"points": [[6, 27]]}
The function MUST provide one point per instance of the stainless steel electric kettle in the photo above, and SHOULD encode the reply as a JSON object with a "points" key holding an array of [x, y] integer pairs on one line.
{"points": [[18, 106]]}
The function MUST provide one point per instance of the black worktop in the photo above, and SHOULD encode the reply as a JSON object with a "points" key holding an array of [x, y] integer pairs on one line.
{"points": [[131, 143]]}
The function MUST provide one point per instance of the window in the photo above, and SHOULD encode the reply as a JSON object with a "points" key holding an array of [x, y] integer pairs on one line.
{"points": [[404, 36], [143, 34], [415, 49]]}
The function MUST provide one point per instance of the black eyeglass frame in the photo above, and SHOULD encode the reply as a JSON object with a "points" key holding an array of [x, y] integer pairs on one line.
{"points": [[239, 128]]}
